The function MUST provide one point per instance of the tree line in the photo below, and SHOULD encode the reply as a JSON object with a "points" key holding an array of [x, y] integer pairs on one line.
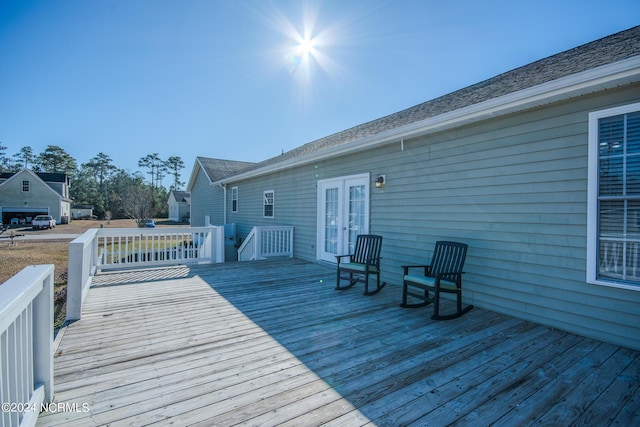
{"points": [[113, 192]]}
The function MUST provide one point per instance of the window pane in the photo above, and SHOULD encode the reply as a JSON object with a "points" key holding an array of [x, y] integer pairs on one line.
{"points": [[611, 218], [611, 254], [268, 204], [633, 219], [611, 176], [633, 133], [611, 136], [331, 221], [356, 213], [633, 175], [632, 270]]}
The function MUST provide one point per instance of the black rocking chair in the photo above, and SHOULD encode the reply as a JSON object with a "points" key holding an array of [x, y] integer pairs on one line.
{"points": [[444, 274], [364, 262]]}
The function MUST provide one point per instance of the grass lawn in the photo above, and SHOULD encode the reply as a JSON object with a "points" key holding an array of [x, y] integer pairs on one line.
{"points": [[14, 258]]}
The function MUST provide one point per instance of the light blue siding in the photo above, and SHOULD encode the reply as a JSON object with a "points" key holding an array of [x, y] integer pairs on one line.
{"points": [[513, 188], [206, 200]]}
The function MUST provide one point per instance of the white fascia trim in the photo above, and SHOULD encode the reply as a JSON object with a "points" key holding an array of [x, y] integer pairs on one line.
{"points": [[590, 81], [194, 173]]}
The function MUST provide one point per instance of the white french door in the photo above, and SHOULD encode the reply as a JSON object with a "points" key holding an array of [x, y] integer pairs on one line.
{"points": [[343, 213]]}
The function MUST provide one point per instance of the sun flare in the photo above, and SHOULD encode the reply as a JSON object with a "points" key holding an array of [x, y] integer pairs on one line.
{"points": [[305, 47], [301, 53]]}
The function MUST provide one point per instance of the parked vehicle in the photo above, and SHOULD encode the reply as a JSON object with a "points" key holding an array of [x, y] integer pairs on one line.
{"points": [[43, 221]]}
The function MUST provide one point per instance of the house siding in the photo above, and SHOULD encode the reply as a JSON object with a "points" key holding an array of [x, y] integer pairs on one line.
{"points": [[295, 205], [206, 200], [514, 188], [40, 196]]}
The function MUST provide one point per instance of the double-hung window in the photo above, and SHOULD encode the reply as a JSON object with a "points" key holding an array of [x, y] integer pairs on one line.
{"points": [[234, 199], [268, 204], [614, 197], [26, 186]]}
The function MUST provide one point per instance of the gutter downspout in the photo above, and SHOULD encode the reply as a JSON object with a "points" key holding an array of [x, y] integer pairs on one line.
{"points": [[224, 203]]}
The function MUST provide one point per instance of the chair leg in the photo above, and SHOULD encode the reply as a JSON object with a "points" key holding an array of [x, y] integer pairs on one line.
{"points": [[378, 285], [459, 310], [339, 278], [405, 291]]}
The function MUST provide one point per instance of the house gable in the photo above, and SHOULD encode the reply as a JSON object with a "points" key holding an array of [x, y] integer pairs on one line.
{"points": [[207, 198], [37, 178], [215, 169], [41, 197]]}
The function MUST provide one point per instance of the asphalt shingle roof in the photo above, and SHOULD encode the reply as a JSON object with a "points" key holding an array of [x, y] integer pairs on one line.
{"points": [[217, 169], [181, 196], [610, 49]]}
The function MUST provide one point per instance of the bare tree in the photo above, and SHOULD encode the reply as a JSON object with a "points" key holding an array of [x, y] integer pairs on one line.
{"points": [[137, 201]]}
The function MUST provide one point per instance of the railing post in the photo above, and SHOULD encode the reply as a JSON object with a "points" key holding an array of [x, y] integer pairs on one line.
{"points": [[257, 245], [291, 242], [218, 240], [43, 335], [81, 263], [214, 243]]}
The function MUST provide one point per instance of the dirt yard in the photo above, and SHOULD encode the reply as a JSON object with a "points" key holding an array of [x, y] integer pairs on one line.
{"points": [[16, 255]]}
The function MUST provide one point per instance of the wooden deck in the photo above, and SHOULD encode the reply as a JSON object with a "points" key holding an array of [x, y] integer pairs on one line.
{"points": [[271, 343]]}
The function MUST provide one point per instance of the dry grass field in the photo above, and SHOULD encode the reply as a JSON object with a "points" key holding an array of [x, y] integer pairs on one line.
{"points": [[16, 255]]}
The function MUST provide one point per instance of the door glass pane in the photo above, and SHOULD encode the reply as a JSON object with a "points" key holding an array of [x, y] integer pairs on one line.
{"points": [[356, 213], [331, 221]]}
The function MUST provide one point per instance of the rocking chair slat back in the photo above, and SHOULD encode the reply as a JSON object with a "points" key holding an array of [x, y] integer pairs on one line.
{"points": [[367, 250], [448, 257]]}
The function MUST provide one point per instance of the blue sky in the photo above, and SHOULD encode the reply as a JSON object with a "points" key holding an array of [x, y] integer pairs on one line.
{"points": [[232, 80]]}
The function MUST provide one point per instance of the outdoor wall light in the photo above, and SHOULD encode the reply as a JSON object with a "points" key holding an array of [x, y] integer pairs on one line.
{"points": [[380, 180]]}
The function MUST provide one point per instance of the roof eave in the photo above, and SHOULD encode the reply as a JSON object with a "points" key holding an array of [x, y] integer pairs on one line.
{"points": [[594, 80], [197, 165]]}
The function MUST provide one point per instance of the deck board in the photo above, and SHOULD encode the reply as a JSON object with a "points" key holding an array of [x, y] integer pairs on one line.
{"points": [[272, 343]]}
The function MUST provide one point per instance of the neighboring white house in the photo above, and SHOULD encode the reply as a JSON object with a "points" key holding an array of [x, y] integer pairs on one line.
{"points": [[179, 205], [26, 194], [536, 169]]}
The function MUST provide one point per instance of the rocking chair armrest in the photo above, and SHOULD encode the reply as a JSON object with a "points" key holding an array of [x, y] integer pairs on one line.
{"points": [[407, 267], [339, 257]]}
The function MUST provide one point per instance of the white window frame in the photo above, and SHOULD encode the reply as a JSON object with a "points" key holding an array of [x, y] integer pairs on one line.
{"points": [[265, 203], [234, 199], [592, 197], [26, 184]]}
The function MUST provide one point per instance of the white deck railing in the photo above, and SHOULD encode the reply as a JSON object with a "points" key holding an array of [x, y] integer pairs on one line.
{"points": [[26, 359], [119, 248], [267, 242]]}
